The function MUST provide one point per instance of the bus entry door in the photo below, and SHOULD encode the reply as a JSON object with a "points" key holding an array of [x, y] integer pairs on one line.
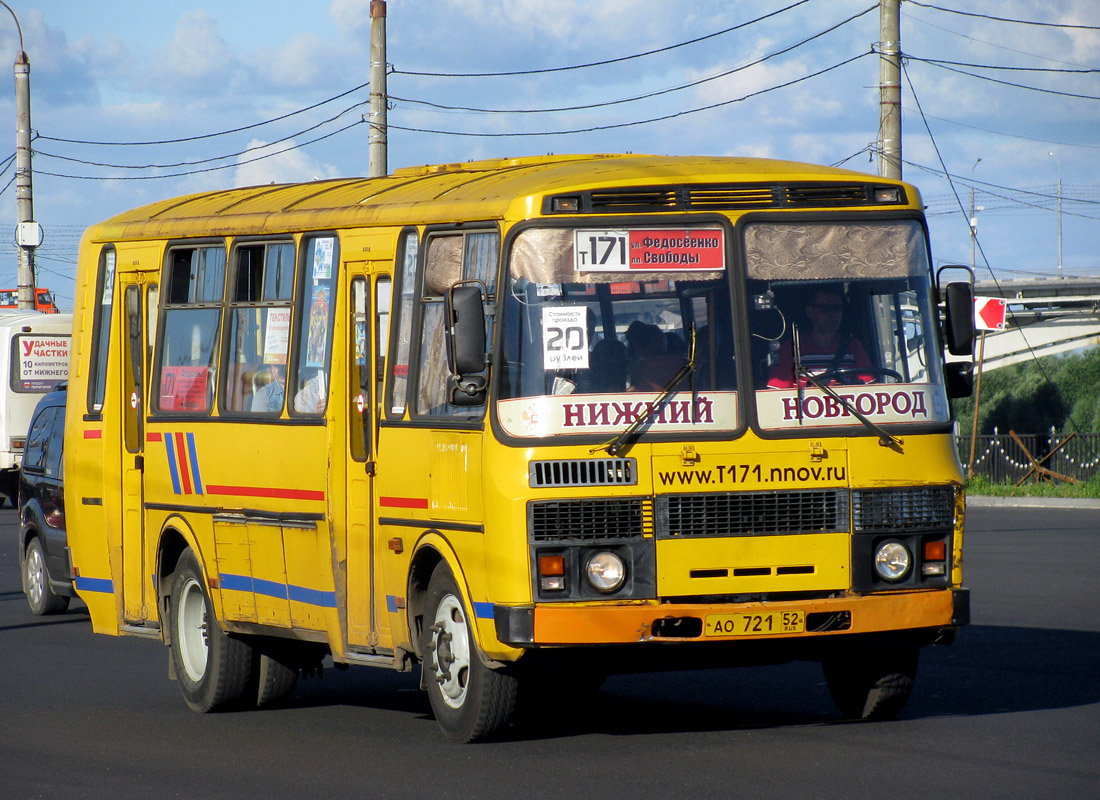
{"points": [[139, 303], [367, 327]]}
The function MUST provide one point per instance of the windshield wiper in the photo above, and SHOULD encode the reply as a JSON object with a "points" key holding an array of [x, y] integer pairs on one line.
{"points": [[630, 434], [884, 437]]}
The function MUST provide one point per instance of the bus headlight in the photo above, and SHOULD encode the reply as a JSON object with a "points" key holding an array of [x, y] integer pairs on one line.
{"points": [[892, 561], [605, 572]]}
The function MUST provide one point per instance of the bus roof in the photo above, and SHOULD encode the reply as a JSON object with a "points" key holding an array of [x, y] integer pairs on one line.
{"points": [[438, 192]]}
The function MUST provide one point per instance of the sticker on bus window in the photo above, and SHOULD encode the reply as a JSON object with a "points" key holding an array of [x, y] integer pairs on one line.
{"points": [[277, 336], [564, 337], [322, 259], [657, 250]]}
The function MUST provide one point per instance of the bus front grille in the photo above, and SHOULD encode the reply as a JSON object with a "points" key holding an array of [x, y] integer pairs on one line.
{"points": [[752, 513], [589, 519], [906, 509]]}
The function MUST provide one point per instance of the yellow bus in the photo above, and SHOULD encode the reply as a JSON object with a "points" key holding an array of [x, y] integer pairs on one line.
{"points": [[521, 424]]}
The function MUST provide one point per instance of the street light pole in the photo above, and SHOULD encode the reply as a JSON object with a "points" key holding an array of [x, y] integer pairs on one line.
{"points": [[28, 233]]}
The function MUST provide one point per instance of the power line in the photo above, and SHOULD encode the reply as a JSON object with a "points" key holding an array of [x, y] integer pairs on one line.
{"points": [[646, 96], [1004, 19], [1009, 135], [634, 123], [204, 160], [986, 41], [207, 169], [605, 62], [1003, 83], [940, 61], [200, 137]]}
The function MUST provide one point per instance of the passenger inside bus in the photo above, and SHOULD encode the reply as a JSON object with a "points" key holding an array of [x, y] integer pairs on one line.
{"points": [[827, 348], [653, 362], [269, 389]]}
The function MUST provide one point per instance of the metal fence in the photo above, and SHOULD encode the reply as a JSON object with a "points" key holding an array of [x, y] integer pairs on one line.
{"points": [[1000, 459]]}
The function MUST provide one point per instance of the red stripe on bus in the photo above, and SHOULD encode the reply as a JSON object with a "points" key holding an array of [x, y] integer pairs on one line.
{"points": [[403, 502], [152, 437], [263, 491], [181, 459], [93, 434]]}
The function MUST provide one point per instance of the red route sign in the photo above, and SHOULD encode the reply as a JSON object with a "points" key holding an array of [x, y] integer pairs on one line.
{"points": [[989, 313]]}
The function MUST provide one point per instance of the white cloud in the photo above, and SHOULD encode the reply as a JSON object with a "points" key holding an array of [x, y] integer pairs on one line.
{"points": [[283, 166]]}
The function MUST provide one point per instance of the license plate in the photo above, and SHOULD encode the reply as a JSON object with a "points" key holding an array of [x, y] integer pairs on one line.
{"points": [[762, 624]]}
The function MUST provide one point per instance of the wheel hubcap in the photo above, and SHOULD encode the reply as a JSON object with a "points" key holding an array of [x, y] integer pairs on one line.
{"points": [[36, 576], [451, 650], [191, 631]]}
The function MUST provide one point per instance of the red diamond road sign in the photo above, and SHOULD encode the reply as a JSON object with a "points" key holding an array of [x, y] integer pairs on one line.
{"points": [[989, 313]]}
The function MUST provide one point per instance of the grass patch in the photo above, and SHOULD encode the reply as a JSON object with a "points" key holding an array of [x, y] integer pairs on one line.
{"points": [[980, 485]]}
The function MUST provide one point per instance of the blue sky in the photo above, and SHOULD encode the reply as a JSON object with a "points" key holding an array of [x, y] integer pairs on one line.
{"points": [[1018, 96]]}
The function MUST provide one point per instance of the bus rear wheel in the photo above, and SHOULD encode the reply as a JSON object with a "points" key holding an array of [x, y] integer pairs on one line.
{"points": [[213, 669], [872, 684], [470, 701]]}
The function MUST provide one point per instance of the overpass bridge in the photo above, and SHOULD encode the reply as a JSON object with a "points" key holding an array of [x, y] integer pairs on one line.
{"points": [[1045, 316]]}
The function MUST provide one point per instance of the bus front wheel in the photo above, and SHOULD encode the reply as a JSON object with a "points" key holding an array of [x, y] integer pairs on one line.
{"points": [[871, 684], [214, 670], [470, 701]]}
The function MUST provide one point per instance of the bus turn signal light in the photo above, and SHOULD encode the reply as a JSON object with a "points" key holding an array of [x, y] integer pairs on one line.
{"points": [[935, 558], [552, 573]]}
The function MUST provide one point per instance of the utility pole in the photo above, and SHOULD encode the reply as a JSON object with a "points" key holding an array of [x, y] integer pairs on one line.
{"points": [[889, 120], [376, 149], [28, 233]]}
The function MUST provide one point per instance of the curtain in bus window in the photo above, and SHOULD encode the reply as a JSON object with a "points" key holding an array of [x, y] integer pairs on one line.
{"points": [[318, 301], [466, 256], [840, 251]]}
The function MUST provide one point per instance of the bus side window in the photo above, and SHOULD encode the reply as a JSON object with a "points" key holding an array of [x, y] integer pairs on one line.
{"points": [[403, 316], [451, 257], [101, 329], [316, 305], [258, 343], [192, 322]]}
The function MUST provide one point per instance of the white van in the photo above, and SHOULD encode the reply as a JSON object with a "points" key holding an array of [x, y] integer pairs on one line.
{"points": [[34, 358]]}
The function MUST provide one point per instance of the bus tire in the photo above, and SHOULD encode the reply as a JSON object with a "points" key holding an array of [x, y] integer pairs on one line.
{"points": [[214, 670], [871, 685], [470, 701], [36, 583], [275, 678]]}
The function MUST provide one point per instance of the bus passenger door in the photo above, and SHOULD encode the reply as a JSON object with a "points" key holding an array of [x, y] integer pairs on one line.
{"points": [[139, 308], [367, 326]]}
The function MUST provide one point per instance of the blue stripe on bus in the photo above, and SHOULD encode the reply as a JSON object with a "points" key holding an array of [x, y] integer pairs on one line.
{"points": [[104, 585], [314, 597], [194, 463], [483, 610], [281, 591], [391, 603], [173, 470]]}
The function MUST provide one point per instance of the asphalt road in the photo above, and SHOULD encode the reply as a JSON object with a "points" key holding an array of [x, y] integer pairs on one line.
{"points": [[1012, 710]]}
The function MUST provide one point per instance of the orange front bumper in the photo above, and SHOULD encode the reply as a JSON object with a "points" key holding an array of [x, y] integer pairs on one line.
{"points": [[624, 624]]}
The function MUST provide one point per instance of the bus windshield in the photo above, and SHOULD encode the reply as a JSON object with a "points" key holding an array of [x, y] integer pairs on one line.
{"points": [[842, 325], [597, 324]]}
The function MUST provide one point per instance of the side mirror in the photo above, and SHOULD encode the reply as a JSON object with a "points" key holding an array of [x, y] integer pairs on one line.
{"points": [[464, 307], [959, 377], [960, 319]]}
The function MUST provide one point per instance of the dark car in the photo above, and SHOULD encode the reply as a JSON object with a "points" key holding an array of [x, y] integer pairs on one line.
{"points": [[43, 544]]}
